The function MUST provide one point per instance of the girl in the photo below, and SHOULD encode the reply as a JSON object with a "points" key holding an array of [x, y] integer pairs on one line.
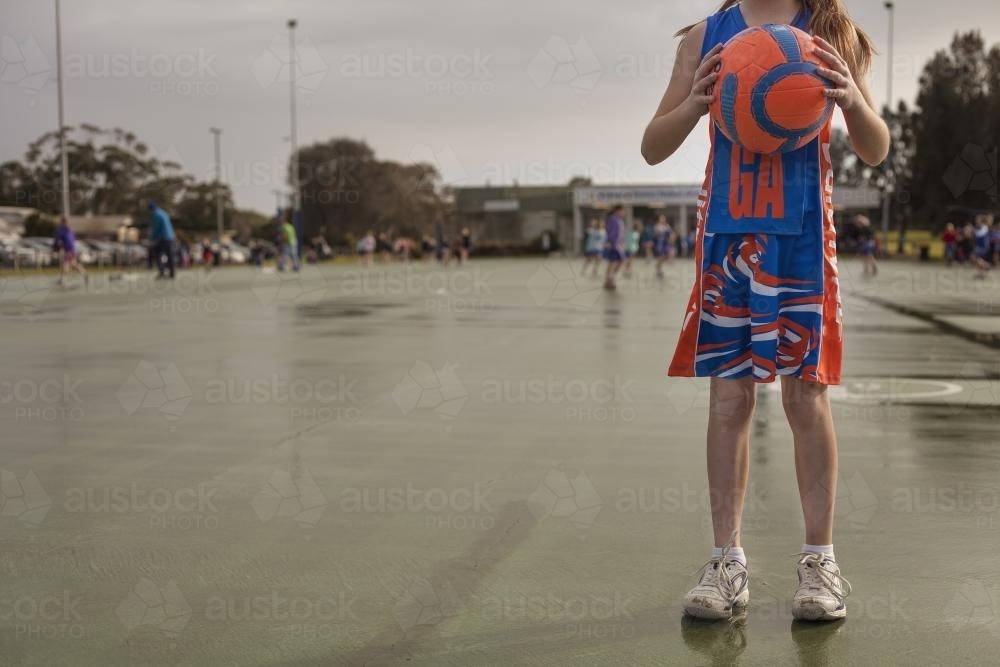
{"points": [[767, 304], [866, 245], [950, 239], [631, 248], [593, 247], [663, 234], [614, 245]]}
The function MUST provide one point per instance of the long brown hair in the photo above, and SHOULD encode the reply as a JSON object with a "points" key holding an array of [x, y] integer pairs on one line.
{"points": [[829, 19]]}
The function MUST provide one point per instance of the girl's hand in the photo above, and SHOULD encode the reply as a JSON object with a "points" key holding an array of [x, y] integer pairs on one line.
{"points": [[845, 90], [703, 90]]}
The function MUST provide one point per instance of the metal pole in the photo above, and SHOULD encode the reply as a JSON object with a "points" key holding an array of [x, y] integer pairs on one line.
{"points": [[294, 158], [62, 124], [218, 179], [889, 170]]}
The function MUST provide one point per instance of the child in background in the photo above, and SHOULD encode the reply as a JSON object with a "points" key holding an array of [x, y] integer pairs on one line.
{"points": [[662, 238], [614, 245], [631, 248], [950, 240], [593, 246]]}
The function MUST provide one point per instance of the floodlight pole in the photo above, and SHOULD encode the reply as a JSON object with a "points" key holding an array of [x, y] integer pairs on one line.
{"points": [[62, 124], [293, 137], [889, 170], [217, 132]]}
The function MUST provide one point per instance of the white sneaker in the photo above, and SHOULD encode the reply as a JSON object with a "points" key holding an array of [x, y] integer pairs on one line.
{"points": [[821, 592], [723, 589]]}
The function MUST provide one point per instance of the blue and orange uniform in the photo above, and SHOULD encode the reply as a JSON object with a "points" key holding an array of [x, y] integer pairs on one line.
{"points": [[766, 301]]}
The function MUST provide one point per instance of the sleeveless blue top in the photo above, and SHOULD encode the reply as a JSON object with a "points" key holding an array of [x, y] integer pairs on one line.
{"points": [[745, 188]]}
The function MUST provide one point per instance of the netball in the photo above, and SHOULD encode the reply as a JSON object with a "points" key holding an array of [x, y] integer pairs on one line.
{"points": [[769, 97]]}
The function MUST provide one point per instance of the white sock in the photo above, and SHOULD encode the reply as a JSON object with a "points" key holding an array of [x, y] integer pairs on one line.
{"points": [[735, 553], [821, 549]]}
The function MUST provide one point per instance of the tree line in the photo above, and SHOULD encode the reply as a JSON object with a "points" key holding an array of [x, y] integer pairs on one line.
{"points": [[944, 147]]}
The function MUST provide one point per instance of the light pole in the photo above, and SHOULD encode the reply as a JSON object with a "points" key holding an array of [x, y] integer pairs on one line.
{"points": [[889, 171], [62, 125], [294, 158], [217, 133], [278, 195]]}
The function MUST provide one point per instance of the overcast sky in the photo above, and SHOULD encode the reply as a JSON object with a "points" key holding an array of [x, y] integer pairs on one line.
{"points": [[476, 86]]}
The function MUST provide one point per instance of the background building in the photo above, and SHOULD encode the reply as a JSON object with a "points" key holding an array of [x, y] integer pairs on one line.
{"points": [[520, 215]]}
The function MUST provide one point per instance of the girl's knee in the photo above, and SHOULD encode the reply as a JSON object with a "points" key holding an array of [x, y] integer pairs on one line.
{"points": [[732, 401], [803, 402]]}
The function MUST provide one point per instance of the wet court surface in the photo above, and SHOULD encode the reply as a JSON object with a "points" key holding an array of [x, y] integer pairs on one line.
{"points": [[469, 466]]}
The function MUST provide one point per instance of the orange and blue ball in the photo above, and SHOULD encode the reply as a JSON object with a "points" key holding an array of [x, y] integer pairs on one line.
{"points": [[769, 97]]}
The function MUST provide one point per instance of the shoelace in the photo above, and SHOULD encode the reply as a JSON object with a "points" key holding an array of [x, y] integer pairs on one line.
{"points": [[722, 581], [831, 581]]}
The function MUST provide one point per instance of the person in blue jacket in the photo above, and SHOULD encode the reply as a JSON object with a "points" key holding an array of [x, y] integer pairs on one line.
{"points": [[161, 235]]}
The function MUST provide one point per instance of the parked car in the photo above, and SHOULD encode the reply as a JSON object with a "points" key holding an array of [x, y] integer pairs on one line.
{"points": [[262, 251], [85, 254], [13, 252], [131, 253], [42, 247], [103, 251], [236, 254]]}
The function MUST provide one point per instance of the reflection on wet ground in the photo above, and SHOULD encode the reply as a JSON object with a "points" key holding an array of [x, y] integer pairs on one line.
{"points": [[485, 468]]}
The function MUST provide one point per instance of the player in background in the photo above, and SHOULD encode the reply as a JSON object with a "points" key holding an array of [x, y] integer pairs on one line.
{"points": [[64, 243], [663, 239], [614, 245], [593, 246], [981, 250], [631, 248], [866, 245]]}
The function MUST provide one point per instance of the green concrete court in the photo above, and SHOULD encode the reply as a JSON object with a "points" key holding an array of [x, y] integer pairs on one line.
{"points": [[471, 466]]}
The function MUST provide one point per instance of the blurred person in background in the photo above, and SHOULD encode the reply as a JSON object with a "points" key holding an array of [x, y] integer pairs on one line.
{"points": [[593, 245], [965, 243], [289, 247], [465, 246], [631, 247], [64, 243], [161, 238], [866, 245], [950, 240], [383, 246], [981, 250], [647, 242], [366, 248], [614, 245], [663, 239], [403, 248]]}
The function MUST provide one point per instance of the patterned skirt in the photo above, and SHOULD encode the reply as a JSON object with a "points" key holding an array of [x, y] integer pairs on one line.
{"points": [[764, 306]]}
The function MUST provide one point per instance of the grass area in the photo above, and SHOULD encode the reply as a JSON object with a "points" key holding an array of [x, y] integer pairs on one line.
{"points": [[914, 240]]}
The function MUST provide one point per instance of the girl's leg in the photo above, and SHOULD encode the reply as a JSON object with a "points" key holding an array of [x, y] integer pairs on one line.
{"points": [[807, 407], [730, 415]]}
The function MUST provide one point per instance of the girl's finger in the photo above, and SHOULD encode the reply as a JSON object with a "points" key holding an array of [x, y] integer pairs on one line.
{"points": [[836, 93], [706, 82], [831, 49], [834, 60], [707, 65], [825, 44], [835, 77], [827, 56]]}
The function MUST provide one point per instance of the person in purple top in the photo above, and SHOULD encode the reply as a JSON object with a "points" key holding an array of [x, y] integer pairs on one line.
{"points": [[64, 243], [614, 245]]}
